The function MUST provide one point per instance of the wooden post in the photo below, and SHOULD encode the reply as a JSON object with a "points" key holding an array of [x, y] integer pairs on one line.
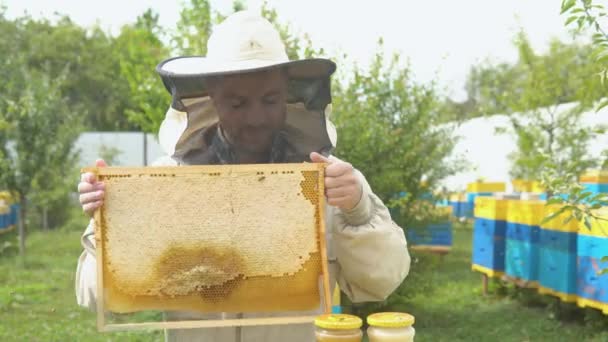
{"points": [[45, 218], [145, 149], [21, 225], [441, 256], [484, 281], [322, 242]]}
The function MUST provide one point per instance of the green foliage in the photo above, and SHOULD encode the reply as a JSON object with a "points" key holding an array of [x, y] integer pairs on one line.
{"points": [[140, 50], [86, 57], [297, 46], [568, 192], [548, 136], [193, 28], [109, 154], [36, 138], [416, 213], [389, 128], [591, 15], [567, 72]]}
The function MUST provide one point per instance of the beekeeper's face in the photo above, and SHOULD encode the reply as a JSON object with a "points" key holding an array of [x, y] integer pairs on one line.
{"points": [[251, 107]]}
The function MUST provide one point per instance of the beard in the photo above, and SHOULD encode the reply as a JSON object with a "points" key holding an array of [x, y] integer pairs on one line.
{"points": [[254, 140]]}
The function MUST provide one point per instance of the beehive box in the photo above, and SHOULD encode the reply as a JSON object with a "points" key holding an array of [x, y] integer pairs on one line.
{"points": [[525, 212], [437, 234], [557, 264], [595, 188], [491, 208], [594, 176], [5, 216], [486, 187], [560, 222], [239, 238], [520, 185], [488, 254], [592, 246]]}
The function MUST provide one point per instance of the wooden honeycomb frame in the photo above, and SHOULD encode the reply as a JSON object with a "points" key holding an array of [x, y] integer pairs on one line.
{"points": [[260, 171]]}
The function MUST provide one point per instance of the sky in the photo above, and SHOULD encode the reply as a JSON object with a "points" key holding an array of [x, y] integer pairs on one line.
{"points": [[440, 38]]}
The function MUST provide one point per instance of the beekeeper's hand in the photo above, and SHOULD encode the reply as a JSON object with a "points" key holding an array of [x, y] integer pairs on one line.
{"points": [[342, 186], [91, 191]]}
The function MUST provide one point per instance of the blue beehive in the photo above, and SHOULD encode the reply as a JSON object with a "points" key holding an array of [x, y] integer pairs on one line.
{"points": [[557, 264], [489, 246], [4, 218], [456, 201], [439, 234], [595, 188], [592, 288], [466, 209], [455, 208], [14, 214], [472, 195], [521, 251], [5, 215]]}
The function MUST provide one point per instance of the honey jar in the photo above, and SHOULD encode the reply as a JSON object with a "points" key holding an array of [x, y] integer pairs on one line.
{"points": [[390, 327], [338, 328]]}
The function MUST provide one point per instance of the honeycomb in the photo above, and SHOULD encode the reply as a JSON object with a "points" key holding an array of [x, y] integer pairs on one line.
{"points": [[234, 238]]}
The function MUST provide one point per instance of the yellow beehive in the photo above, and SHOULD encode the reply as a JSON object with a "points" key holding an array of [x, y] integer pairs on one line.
{"points": [[525, 212], [520, 185], [459, 197], [537, 187], [491, 208], [557, 223], [486, 187], [594, 176], [4, 195], [444, 210], [599, 226], [233, 238]]}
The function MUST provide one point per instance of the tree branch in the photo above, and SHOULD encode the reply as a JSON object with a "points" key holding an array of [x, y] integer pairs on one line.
{"points": [[597, 24]]}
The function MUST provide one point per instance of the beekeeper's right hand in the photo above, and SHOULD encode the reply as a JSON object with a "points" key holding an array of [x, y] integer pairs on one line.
{"points": [[91, 191]]}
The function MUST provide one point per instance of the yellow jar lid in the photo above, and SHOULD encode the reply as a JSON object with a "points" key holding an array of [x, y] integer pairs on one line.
{"points": [[390, 320], [338, 321]]}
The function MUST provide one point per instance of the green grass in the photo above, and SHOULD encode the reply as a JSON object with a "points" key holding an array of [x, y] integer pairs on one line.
{"points": [[37, 300]]}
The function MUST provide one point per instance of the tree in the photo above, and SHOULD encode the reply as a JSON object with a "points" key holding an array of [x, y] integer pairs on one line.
{"points": [[109, 154], [297, 46], [570, 194], [92, 88], [388, 127], [140, 50], [494, 88], [193, 28], [533, 92], [589, 15], [37, 132]]}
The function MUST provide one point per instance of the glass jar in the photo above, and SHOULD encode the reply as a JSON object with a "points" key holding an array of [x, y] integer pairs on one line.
{"points": [[338, 328], [390, 327]]}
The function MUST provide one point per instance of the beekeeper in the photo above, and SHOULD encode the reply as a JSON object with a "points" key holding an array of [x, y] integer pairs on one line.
{"points": [[246, 102]]}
